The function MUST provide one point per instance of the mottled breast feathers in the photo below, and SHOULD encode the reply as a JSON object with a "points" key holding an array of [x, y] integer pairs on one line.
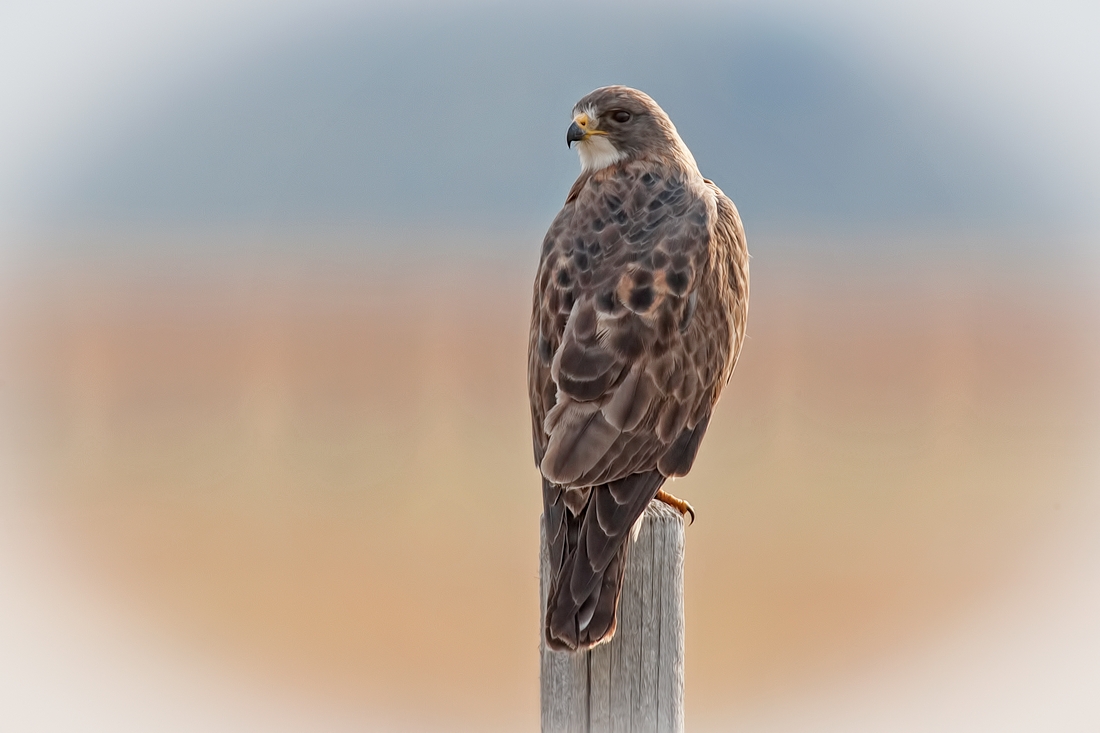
{"points": [[635, 325]]}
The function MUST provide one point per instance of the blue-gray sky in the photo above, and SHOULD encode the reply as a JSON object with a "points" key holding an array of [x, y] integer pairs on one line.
{"points": [[458, 115]]}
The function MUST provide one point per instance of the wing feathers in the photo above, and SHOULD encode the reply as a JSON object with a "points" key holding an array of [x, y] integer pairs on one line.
{"points": [[677, 460], [616, 303], [579, 438], [632, 399], [582, 367]]}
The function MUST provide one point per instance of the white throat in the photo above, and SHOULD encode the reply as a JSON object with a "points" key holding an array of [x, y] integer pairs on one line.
{"points": [[597, 152]]}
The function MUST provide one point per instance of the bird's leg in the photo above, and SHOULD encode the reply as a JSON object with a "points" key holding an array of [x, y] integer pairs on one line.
{"points": [[678, 504]]}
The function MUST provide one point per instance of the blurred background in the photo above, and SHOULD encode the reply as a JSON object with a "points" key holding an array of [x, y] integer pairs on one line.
{"points": [[264, 291]]}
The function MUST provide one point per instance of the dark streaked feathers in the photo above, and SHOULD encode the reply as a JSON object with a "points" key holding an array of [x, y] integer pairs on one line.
{"points": [[639, 312]]}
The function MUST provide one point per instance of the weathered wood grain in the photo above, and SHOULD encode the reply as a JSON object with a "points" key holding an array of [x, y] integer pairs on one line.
{"points": [[635, 682]]}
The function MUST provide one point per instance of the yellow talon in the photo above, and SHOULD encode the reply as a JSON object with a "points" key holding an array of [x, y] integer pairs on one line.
{"points": [[678, 504]]}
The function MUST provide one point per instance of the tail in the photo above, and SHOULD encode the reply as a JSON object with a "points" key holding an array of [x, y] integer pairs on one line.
{"points": [[587, 553]]}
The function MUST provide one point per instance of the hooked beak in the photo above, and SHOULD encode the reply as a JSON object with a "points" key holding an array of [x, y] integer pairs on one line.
{"points": [[580, 130], [575, 133]]}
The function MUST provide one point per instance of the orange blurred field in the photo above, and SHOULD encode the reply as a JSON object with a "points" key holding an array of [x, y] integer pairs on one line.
{"points": [[318, 470]]}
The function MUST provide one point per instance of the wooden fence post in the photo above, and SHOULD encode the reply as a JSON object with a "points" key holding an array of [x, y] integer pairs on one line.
{"points": [[635, 682]]}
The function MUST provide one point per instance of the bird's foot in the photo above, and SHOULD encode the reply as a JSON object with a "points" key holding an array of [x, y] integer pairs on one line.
{"points": [[678, 504]]}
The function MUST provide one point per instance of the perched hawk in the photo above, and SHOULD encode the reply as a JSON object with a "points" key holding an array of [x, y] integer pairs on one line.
{"points": [[639, 313]]}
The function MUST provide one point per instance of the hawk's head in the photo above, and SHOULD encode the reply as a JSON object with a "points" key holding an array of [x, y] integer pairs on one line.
{"points": [[616, 123]]}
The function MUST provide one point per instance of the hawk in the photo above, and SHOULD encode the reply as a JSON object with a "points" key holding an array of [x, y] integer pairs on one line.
{"points": [[640, 304]]}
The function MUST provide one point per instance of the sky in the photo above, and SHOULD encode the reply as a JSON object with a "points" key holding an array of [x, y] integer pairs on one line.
{"points": [[812, 115], [346, 124]]}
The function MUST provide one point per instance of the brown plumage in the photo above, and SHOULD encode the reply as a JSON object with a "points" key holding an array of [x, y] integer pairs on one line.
{"points": [[639, 313]]}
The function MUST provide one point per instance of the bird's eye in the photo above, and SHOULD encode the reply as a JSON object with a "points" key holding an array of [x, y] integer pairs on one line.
{"points": [[621, 116]]}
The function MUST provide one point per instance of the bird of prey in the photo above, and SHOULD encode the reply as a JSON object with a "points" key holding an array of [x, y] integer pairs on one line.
{"points": [[640, 304]]}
